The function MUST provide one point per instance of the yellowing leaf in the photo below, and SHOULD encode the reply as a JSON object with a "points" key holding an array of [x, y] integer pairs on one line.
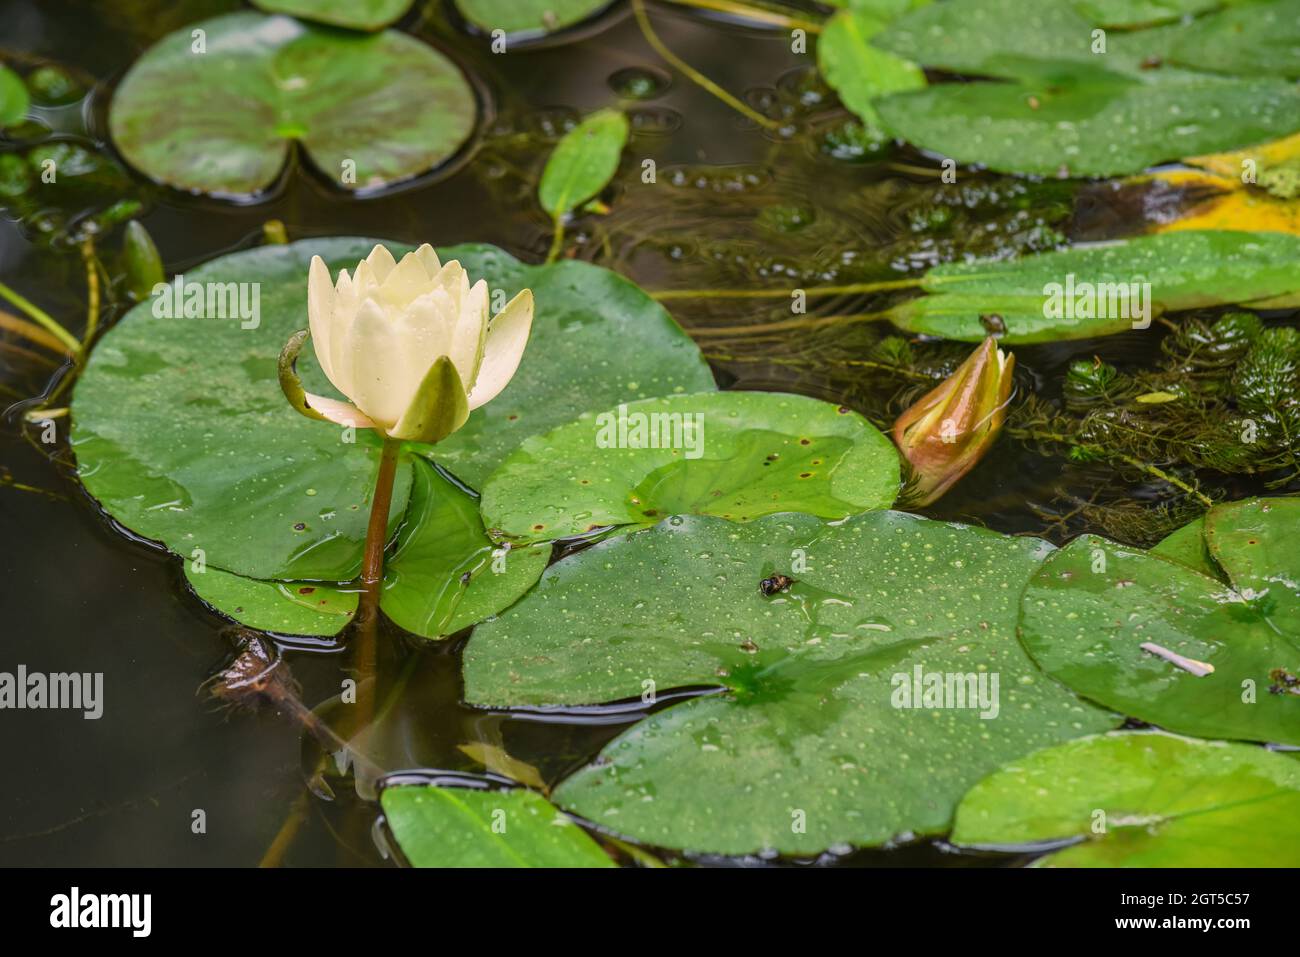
{"points": [[1229, 205]]}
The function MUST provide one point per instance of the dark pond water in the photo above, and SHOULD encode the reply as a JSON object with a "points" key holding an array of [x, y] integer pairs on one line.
{"points": [[78, 595]]}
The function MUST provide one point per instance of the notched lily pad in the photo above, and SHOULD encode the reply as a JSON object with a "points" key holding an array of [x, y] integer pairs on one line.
{"points": [[369, 110], [738, 455], [1141, 800], [807, 742]]}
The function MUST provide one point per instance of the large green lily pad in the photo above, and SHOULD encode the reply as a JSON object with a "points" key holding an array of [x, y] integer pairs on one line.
{"points": [[1067, 108], [1186, 270], [597, 340], [368, 109], [446, 574], [1093, 605], [528, 17], [1187, 546], [857, 69], [740, 455], [802, 747], [1142, 800], [1245, 39], [314, 609], [465, 827], [349, 14], [181, 432]]}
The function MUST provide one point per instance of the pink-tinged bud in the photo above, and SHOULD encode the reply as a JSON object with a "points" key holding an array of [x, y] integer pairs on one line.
{"points": [[951, 427]]}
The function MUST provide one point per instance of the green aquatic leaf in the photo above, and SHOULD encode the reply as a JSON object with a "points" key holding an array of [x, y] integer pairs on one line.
{"points": [[464, 827], [1068, 107], [597, 340], [1163, 802], [858, 70], [1245, 39], [739, 455], [1187, 547], [181, 432], [13, 97], [583, 163], [316, 609], [444, 575], [528, 17], [1108, 620], [1257, 542], [349, 14], [369, 110], [1137, 13], [1186, 270], [802, 747]]}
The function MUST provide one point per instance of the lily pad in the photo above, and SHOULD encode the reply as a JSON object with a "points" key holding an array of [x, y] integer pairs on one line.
{"points": [[1068, 109], [444, 575], [13, 97], [1258, 542], [597, 340], [528, 17], [1163, 802], [369, 109], [349, 14], [801, 747], [1187, 547], [316, 609], [464, 827], [1185, 270], [181, 432], [1243, 39], [1136, 13], [583, 163], [739, 455], [1156, 640], [858, 70]]}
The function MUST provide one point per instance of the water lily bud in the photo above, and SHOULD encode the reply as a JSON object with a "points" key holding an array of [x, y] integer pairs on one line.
{"points": [[951, 427], [143, 264], [409, 343]]}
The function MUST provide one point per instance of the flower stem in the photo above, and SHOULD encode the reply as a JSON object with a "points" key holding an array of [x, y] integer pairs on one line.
{"points": [[557, 242], [692, 74]]}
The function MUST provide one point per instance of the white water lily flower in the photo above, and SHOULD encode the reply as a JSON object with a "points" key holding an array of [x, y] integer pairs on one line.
{"points": [[409, 343]]}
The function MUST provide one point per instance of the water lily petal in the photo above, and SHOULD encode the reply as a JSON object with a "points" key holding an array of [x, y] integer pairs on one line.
{"points": [[341, 319], [438, 407], [507, 336], [405, 282], [320, 311], [343, 413], [383, 377], [429, 259], [470, 334], [382, 262]]}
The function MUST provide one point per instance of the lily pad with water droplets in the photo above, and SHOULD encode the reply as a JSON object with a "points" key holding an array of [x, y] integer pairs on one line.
{"points": [[444, 574], [1184, 270], [349, 14], [368, 109], [465, 827], [1216, 659], [1161, 801], [739, 455], [801, 747], [1187, 547], [528, 18], [181, 432]]}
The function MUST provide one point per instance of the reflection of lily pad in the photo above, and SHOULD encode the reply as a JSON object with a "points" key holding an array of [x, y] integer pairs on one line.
{"points": [[181, 432], [1093, 605], [368, 109], [803, 749], [349, 14], [528, 17], [464, 827], [597, 340], [740, 455], [1142, 800], [444, 575]]}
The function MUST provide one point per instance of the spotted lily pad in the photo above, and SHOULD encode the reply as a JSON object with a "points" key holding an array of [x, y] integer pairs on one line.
{"points": [[444, 574], [1098, 289], [1141, 800], [740, 455], [1155, 639], [597, 340], [181, 432], [368, 109], [806, 743], [464, 827], [527, 17], [349, 14]]}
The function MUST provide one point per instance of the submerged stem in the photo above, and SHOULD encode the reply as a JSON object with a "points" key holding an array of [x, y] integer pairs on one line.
{"points": [[757, 14], [42, 318], [692, 74], [92, 293]]}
